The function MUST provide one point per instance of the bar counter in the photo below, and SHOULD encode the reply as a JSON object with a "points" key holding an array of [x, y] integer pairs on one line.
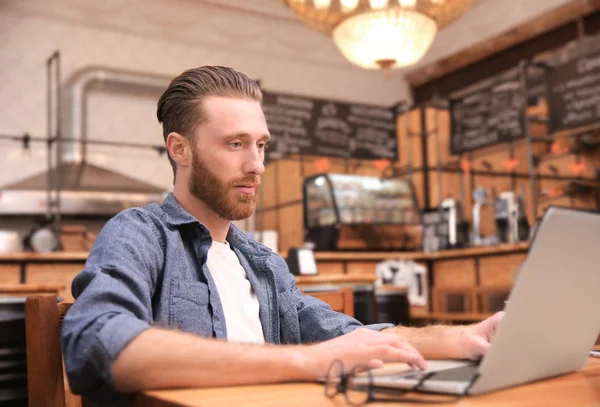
{"points": [[474, 273]]}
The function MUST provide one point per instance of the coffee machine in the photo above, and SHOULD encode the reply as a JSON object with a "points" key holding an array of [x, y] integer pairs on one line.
{"points": [[480, 200], [458, 228], [511, 221]]}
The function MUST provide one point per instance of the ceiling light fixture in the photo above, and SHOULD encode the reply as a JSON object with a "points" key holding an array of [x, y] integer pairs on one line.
{"points": [[380, 34]]}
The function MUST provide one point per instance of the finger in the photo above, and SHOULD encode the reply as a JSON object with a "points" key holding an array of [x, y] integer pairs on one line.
{"points": [[375, 364], [402, 344], [397, 340], [413, 366], [488, 327], [477, 347], [394, 354]]}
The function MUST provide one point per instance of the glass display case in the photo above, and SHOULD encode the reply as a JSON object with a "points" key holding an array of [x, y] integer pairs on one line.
{"points": [[372, 212]]}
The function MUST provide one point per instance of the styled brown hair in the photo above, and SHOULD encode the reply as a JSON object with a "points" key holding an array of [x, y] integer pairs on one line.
{"points": [[180, 108]]}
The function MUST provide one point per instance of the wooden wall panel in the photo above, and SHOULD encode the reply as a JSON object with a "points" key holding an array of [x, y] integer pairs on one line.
{"points": [[400, 136], [269, 220], [492, 161], [308, 165], [413, 153], [291, 228], [522, 156], [365, 167], [450, 187], [54, 273], [330, 268], [499, 271], [10, 274], [363, 268], [269, 188], [562, 165], [338, 166], [454, 273], [289, 180], [438, 120]]}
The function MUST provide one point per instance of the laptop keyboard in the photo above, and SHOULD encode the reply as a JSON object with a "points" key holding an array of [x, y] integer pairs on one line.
{"points": [[456, 374]]}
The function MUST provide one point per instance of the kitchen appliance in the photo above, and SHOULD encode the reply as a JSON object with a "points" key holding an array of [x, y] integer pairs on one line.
{"points": [[458, 228], [356, 212], [444, 227], [42, 238], [480, 198], [511, 222]]}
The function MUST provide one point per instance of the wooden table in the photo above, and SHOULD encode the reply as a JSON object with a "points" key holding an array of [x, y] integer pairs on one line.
{"points": [[575, 389]]}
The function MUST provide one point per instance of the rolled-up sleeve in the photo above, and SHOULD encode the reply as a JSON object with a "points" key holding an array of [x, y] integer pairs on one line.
{"points": [[113, 301]]}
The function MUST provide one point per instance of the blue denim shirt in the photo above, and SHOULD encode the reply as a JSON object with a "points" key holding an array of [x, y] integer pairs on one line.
{"points": [[148, 268]]}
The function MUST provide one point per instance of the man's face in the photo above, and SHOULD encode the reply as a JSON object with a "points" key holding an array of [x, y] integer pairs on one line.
{"points": [[228, 156]]}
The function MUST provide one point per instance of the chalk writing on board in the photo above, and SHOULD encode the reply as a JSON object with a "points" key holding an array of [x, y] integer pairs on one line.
{"points": [[490, 115], [313, 126], [574, 93]]}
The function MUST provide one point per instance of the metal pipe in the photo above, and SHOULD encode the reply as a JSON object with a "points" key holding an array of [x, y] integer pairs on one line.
{"points": [[49, 138], [409, 158], [530, 161], [438, 156], [57, 137], [76, 92]]}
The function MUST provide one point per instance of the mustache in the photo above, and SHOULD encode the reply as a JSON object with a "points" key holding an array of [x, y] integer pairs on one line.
{"points": [[253, 180]]}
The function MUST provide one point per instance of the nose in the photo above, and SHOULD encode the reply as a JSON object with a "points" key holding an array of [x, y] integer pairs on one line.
{"points": [[254, 162]]}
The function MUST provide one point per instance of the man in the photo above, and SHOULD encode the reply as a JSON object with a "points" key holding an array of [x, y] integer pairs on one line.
{"points": [[173, 295]]}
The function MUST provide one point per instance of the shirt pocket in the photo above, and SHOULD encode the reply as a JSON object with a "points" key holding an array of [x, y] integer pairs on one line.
{"points": [[190, 308], [289, 324]]}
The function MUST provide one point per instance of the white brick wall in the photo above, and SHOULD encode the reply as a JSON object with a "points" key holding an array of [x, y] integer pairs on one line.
{"points": [[169, 36], [284, 56]]}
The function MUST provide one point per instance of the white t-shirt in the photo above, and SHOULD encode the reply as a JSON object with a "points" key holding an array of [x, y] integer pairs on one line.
{"points": [[239, 301]]}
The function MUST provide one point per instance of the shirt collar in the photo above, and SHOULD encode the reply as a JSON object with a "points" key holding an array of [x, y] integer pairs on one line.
{"points": [[176, 216]]}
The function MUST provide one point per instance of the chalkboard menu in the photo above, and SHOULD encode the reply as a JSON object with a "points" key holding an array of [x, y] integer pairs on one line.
{"points": [[487, 116], [310, 126], [574, 93]]}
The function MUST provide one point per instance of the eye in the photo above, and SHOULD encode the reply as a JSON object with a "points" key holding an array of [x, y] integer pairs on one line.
{"points": [[263, 145], [235, 144]]}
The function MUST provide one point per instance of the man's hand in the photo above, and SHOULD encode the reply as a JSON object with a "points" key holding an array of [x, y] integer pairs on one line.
{"points": [[361, 347], [475, 339]]}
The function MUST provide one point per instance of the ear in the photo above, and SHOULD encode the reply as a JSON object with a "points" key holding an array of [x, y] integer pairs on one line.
{"points": [[179, 149]]}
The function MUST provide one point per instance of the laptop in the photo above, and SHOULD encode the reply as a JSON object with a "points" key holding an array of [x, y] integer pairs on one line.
{"points": [[550, 322]]}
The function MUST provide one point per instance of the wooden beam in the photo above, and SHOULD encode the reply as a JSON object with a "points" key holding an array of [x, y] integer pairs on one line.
{"points": [[546, 22]]}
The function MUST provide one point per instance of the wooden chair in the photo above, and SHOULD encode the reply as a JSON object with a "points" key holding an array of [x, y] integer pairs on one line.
{"points": [[25, 290], [46, 380], [341, 300]]}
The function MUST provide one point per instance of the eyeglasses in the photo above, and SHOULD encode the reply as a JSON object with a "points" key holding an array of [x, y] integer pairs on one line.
{"points": [[358, 388]]}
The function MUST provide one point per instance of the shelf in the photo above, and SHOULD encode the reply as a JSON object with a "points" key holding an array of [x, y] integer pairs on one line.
{"points": [[319, 256], [441, 255], [450, 316], [54, 256], [335, 279]]}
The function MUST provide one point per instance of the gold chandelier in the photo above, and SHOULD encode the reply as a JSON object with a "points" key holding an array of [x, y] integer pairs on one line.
{"points": [[382, 34]]}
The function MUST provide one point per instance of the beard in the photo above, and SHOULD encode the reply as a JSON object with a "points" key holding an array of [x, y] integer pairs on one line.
{"points": [[221, 196]]}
